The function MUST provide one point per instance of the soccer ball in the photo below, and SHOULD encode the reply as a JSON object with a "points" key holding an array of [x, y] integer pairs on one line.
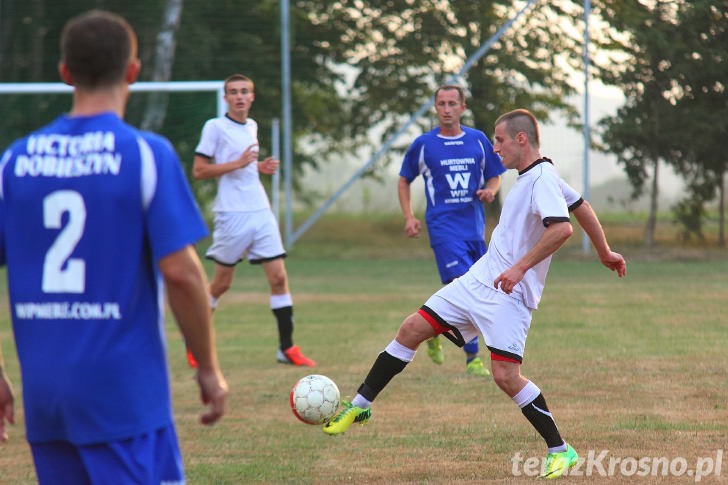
{"points": [[315, 399]]}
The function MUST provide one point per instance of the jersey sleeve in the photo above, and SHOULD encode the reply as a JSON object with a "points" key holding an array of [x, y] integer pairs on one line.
{"points": [[493, 165], [548, 199], [172, 218], [208, 140], [410, 164], [572, 197]]}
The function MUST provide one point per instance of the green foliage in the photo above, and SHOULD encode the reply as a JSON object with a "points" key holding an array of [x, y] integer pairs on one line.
{"points": [[670, 60], [214, 40], [400, 51]]}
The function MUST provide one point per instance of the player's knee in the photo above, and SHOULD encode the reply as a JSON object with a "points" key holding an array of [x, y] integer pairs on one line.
{"points": [[507, 378], [219, 287], [414, 330], [501, 379], [278, 283]]}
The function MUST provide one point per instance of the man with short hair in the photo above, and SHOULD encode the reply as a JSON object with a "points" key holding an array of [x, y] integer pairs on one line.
{"points": [[461, 172], [96, 220], [244, 223], [497, 296]]}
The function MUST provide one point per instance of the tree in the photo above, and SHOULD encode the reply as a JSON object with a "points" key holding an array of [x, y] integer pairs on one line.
{"points": [[163, 59], [674, 80], [399, 51], [701, 72], [642, 133]]}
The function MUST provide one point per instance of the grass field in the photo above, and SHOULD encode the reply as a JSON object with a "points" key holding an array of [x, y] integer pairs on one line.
{"points": [[634, 366]]}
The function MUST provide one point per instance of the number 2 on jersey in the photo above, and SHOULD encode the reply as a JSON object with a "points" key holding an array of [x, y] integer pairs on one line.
{"points": [[56, 278]]}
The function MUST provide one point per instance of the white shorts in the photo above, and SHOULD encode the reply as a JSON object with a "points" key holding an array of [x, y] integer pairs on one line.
{"points": [[254, 235], [466, 306]]}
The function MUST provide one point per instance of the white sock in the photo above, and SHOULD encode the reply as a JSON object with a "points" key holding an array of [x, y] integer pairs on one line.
{"points": [[361, 402], [213, 302], [280, 301], [526, 395], [558, 449], [396, 349]]}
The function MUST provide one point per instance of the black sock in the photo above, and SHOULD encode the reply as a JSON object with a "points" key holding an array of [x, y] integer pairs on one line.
{"points": [[284, 317], [384, 369], [538, 414]]}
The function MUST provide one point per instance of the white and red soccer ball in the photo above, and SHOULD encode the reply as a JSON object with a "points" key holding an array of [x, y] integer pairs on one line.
{"points": [[315, 399]]}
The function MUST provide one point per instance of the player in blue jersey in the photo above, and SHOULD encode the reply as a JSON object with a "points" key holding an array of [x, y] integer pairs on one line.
{"points": [[499, 293], [461, 172], [96, 221], [244, 223]]}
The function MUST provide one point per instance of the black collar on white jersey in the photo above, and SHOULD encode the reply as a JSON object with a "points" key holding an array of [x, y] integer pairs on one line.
{"points": [[235, 121], [540, 160]]}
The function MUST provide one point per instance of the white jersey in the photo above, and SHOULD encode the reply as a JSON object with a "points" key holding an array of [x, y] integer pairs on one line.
{"points": [[224, 140], [538, 198]]}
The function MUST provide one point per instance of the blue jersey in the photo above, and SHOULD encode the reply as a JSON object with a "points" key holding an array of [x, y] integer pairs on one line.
{"points": [[454, 168], [88, 206]]}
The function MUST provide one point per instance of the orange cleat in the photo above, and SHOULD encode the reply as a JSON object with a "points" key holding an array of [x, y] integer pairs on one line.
{"points": [[294, 356], [191, 360]]}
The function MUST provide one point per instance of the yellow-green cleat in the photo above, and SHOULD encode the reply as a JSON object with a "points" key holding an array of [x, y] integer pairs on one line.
{"points": [[477, 368], [346, 417], [434, 350], [558, 463]]}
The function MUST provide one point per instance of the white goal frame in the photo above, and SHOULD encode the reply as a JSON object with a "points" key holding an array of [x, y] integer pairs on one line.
{"points": [[217, 87]]}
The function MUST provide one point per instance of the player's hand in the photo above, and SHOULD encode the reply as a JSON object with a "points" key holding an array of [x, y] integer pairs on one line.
{"points": [[615, 262], [6, 406], [509, 279], [412, 227], [486, 195], [213, 391], [269, 166], [249, 156]]}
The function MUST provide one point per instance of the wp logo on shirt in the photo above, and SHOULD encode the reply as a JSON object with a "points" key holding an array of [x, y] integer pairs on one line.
{"points": [[459, 182]]}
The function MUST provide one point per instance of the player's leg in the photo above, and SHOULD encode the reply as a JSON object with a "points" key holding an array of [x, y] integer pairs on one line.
{"points": [[222, 280], [445, 311], [267, 250], [414, 330], [281, 304], [232, 235], [504, 322], [528, 397]]}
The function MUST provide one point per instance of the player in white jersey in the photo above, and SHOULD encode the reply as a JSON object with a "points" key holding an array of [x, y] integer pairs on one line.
{"points": [[498, 294], [244, 223], [96, 221]]}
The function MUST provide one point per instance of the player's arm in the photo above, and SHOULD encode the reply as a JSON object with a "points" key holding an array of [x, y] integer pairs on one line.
{"points": [[411, 223], [203, 168], [6, 401], [487, 194], [552, 239], [589, 222], [187, 293]]}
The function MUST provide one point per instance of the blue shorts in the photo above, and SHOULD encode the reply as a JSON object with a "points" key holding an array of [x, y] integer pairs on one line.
{"points": [[454, 258], [149, 458]]}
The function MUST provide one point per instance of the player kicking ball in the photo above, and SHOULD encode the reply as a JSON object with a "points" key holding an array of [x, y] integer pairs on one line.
{"points": [[497, 296]]}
